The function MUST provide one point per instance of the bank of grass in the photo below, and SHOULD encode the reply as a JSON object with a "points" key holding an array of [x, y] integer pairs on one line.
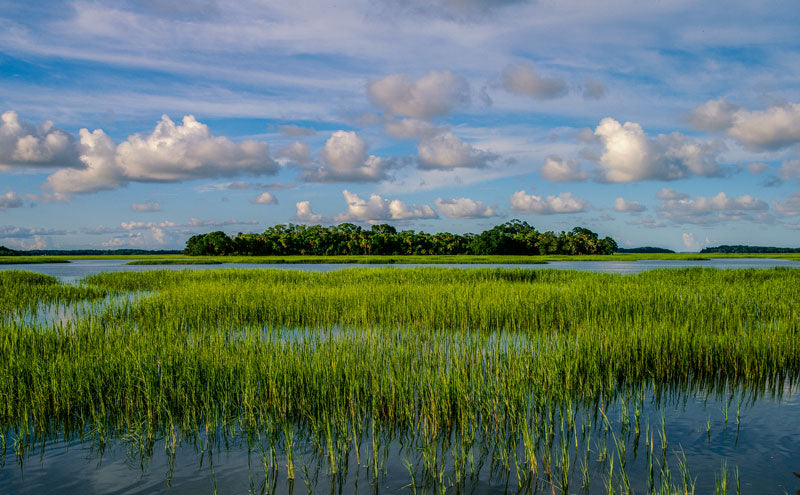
{"points": [[454, 363], [31, 260], [175, 262]]}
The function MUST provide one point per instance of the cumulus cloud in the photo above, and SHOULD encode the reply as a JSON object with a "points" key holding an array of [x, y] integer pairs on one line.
{"points": [[465, 208], [522, 79], [648, 222], [377, 209], [775, 127], [171, 153], [10, 200], [770, 129], [344, 159], [435, 94], [101, 171], [265, 198], [521, 202], [557, 169], [188, 151], [715, 209], [690, 242], [790, 207], [628, 206], [667, 193], [27, 145], [593, 90], [297, 152], [631, 155], [305, 214], [147, 206], [447, 151], [410, 128], [713, 115]]}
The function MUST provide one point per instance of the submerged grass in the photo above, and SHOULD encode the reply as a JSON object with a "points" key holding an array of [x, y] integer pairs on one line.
{"points": [[462, 365]]}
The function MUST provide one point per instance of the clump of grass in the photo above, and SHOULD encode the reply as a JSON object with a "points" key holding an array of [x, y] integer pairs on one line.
{"points": [[30, 260], [462, 366], [175, 262]]}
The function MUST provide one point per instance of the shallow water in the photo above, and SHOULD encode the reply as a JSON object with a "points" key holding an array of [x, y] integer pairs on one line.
{"points": [[762, 442], [77, 269]]}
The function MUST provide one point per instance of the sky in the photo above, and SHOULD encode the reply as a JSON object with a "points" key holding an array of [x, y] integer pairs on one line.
{"points": [[136, 124]]}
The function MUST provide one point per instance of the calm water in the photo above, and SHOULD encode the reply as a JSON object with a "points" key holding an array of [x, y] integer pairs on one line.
{"points": [[77, 269], [762, 441]]}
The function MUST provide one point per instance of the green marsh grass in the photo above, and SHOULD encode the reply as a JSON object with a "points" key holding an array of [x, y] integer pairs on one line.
{"points": [[469, 371], [175, 262], [31, 260]]}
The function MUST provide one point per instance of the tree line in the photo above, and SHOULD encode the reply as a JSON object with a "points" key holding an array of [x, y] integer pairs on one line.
{"points": [[511, 238], [738, 248]]}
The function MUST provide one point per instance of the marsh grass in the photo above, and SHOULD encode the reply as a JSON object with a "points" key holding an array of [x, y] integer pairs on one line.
{"points": [[31, 260], [175, 262], [464, 374]]}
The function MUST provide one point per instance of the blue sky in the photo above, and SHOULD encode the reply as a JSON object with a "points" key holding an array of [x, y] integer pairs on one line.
{"points": [[138, 124]]}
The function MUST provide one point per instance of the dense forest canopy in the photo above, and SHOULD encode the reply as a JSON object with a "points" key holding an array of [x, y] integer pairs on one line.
{"points": [[646, 250], [514, 237], [4, 251]]}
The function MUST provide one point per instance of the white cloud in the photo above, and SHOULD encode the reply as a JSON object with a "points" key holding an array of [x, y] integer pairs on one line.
{"points": [[171, 153], [523, 79], [716, 209], [790, 207], [24, 244], [689, 242], [101, 172], [537, 205], [13, 232], [180, 152], [713, 115], [435, 94], [297, 152], [133, 239], [23, 144], [344, 159], [410, 128], [305, 214], [667, 193], [776, 127], [147, 206], [136, 225], [556, 168], [789, 170], [10, 200], [770, 129], [447, 151], [465, 208], [377, 209], [628, 206], [630, 155], [648, 222], [265, 198]]}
